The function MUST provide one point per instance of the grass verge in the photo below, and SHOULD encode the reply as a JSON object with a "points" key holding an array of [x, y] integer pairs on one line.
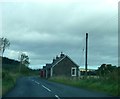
{"points": [[8, 81], [106, 86], [9, 78]]}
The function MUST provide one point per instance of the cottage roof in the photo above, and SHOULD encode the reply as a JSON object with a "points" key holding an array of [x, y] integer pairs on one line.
{"points": [[48, 65], [73, 61], [59, 59]]}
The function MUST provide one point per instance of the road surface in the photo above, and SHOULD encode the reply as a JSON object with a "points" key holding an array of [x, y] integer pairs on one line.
{"points": [[36, 87]]}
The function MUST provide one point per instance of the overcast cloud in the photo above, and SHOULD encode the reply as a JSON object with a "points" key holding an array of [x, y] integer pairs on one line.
{"points": [[44, 29]]}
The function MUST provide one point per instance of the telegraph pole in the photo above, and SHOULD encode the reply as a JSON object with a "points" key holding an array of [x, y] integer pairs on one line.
{"points": [[86, 55]]}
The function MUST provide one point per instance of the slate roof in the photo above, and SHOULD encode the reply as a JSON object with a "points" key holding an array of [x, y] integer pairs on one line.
{"points": [[57, 60], [48, 65]]}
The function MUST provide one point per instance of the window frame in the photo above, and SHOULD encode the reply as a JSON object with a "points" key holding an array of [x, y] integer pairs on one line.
{"points": [[73, 68]]}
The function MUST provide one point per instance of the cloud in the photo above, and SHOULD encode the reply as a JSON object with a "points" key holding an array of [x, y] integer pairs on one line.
{"points": [[45, 29]]}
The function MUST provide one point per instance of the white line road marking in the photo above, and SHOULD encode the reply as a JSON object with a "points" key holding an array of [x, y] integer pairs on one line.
{"points": [[46, 88], [57, 96], [37, 82]]}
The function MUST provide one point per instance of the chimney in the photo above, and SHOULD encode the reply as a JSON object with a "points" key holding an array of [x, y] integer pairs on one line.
{"points": [[53, 60], [62, 55], [57, 57], [44, 67]]}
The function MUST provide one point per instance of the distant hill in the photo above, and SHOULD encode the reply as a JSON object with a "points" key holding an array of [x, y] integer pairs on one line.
{"points": [[6, 60], [9, 64], [13, 66]]}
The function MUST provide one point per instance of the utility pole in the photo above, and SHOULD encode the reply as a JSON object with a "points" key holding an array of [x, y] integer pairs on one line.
{"points": [[86, 55]]}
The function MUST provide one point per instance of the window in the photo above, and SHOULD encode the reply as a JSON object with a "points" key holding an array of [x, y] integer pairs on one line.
{"points": [[73, 71]]}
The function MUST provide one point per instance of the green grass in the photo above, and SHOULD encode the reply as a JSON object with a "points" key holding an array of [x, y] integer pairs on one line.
{"points": [[8, 81], [91, 83], [10, 73], [0, 81], [10, 76], [7, 85], [0, 86]]}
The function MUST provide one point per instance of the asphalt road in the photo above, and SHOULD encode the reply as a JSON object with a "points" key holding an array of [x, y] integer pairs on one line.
{"points": [[36, 87]]}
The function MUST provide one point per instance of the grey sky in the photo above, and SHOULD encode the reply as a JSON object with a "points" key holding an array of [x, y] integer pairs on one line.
{"points": [[44, 29]]}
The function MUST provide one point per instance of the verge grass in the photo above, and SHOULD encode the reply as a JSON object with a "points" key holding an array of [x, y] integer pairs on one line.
{"points": [[0, 81], [8, 81], [9, 77], [96, 84]]}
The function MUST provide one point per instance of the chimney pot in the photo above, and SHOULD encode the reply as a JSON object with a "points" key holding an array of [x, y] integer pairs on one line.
{"points": [[53, 60], [62, 55], [57, 57]]}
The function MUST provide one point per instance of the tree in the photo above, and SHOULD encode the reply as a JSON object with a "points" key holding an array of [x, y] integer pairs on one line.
{"points": [[106, 69], [4, 43], [24, 60]]}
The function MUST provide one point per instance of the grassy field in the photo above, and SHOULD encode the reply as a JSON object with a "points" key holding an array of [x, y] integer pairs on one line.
{"points": [[100, 85]]}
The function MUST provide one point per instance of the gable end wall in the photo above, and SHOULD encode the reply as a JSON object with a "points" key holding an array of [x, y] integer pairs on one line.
{"points": [[63, 68]]}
